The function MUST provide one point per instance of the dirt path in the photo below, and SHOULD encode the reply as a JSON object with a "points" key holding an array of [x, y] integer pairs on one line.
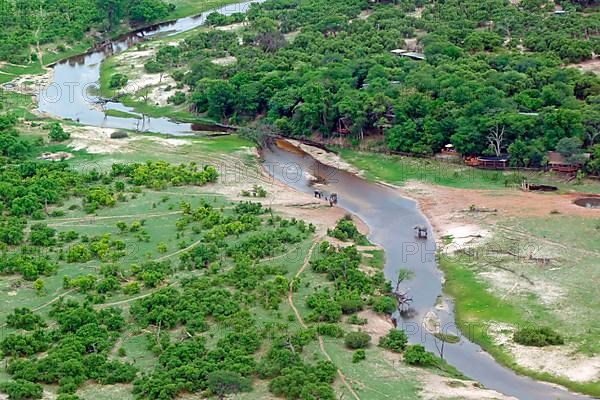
{"points": [[54, 300], [301, 321], [96, 218], [191, 246]]}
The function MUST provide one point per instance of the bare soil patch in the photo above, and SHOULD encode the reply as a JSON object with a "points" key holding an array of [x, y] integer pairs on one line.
{"points": [[96, 140], [30, 84], [377, 325], [151, 88], [437, 387], [229, 60], [588, 66], [58, 156]]}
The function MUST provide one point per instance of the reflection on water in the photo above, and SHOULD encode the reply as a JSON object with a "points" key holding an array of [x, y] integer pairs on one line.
{"points": [[73, 92], [391, 219]]}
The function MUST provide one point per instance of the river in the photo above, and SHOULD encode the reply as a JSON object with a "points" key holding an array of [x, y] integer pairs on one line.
{"points": [[390, 217]]}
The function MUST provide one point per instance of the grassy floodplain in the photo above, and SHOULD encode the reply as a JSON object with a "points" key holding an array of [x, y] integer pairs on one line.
{"points": [[483, 301]]}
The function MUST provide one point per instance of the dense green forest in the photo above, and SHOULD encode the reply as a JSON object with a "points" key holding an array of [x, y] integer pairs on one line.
{"points": [[28, 24], [492, 69]]}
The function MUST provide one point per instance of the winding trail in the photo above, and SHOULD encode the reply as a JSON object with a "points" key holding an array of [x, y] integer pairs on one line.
{"points": [[54, 300], [303, 324]]}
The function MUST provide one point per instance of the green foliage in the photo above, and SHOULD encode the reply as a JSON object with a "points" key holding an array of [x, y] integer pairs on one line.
{"points": [[24, 318], [31, 265], [24, 345], [357, 340], [158, 174], [323, 307], [149, 10], [331, 330], [22, 390], [57, 133], [472, 80], [385, 305], [346, 230], [537, 336], [570, 149], [395, 340], [416, 354], [41, 235], [356, 320], [118, 81], [221, 383], [358, 356], [177, 99], [305, 382]]}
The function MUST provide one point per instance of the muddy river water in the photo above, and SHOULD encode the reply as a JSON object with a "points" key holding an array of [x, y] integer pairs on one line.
{"points": [[390, 217]]}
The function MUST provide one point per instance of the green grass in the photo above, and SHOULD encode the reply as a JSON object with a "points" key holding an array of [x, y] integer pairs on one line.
{"points": [[225, 152], [178, 113], [375, 378], [19, 104], [376, 260], [33, 68], [185, 8], [95, 391], [122, 114], [49, 58], [136, 351], [476, 306], [398, 170], [107, 70]]}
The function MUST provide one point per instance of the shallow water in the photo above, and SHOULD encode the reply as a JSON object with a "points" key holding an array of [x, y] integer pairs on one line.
{"points": [[391, 219]]}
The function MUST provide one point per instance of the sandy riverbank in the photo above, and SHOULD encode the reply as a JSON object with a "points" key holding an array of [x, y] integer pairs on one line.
{"points": [[469, 218]]}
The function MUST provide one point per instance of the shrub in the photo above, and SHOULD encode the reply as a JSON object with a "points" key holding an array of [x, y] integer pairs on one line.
{"points": [[57, 133], [24, 318], [117, 81], [345, 230], [177, 99], [225, 382], [417, 355], [385, 305], [154, 67], [331, 330], [356, 320], [358, 356], [541, 336], [22, 389], [395, 340], [118, 135], [357, 340]]}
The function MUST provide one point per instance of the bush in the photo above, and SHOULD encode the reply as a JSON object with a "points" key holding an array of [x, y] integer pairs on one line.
{"points": [[358, 356], [24, 318], [119, 135], [154, 67], [417, 355], [395, 340], [177, 99], [21, 390], [356, 320], [331, 330], [385, 305], [118, 81], [57, 133], [345, 230], [540, 337], [357, 340]]}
